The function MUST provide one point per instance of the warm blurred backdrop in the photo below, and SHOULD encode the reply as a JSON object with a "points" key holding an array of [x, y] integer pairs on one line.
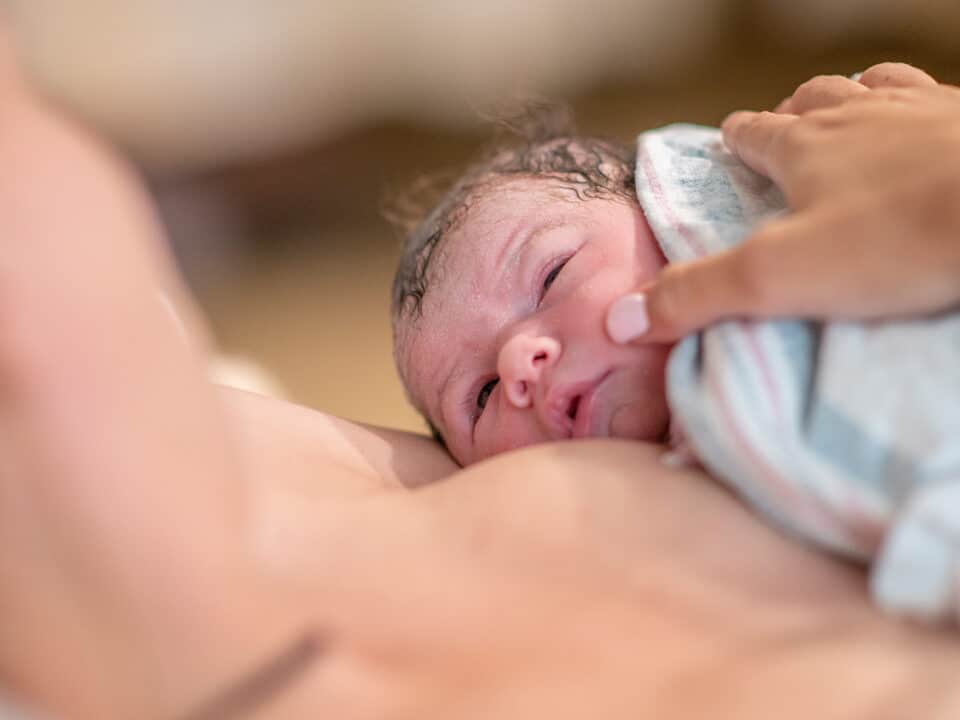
{"points": [[270, 131]]}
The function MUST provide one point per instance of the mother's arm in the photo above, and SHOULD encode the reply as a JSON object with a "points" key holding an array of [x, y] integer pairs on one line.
{"points": [[290, 444], [128, 483], [110, 436]]}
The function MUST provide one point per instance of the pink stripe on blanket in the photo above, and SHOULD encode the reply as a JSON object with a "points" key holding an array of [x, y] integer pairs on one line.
{"points": [[653, 182], [788, 494]]}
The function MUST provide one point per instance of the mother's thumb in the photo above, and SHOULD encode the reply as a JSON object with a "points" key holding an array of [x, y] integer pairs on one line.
{"points": [[682, 299]]}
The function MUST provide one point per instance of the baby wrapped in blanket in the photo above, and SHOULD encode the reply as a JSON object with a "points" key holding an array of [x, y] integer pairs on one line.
{"points": [[841, 433]]}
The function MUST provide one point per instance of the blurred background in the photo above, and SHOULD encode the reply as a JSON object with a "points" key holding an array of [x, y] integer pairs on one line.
{"points": [[270, 132]]}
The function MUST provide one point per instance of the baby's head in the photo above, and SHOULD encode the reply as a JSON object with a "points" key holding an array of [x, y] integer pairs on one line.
{"points": [[501, 294]]}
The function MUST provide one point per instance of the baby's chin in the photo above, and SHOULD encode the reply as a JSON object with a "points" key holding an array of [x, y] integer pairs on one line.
{"points": [[632, 406], [628, 422]]}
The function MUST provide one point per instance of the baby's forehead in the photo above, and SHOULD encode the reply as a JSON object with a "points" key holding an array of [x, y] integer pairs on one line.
{"points": [[477, 242], [495, 208]]}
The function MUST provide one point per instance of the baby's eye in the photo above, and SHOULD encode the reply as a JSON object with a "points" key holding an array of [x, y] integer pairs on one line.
{"points": [[485, 391], [552, 276]]}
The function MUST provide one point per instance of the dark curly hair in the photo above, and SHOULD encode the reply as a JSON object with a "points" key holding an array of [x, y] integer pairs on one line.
{"points": [[539, 140]]}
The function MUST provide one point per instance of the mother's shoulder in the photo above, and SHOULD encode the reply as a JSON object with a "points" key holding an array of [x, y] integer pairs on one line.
{"points": [[281, 441]]}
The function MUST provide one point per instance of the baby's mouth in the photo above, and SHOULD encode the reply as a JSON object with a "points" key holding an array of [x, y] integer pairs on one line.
{"points": [[584, 410], [570, 408]]}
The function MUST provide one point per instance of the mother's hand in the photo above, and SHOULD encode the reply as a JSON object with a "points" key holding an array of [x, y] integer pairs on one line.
{"points": [[870, 170]]}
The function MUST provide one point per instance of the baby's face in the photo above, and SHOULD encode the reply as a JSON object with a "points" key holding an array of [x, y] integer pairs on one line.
{"points": [[511, 348]]}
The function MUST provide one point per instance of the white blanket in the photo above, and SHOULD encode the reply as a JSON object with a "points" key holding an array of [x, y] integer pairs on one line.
{"points": [[847, 434]]}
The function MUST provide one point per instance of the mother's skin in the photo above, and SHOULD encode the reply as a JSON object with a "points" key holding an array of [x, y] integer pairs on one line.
{"points": [[588, 580], [159, 538]]}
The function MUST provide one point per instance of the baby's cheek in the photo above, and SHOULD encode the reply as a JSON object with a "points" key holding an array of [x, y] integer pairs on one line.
{"points": [[644, 413], [649, 263], [503, 434], [604, 286], [646, 419], [650, 258], [639, 423]]}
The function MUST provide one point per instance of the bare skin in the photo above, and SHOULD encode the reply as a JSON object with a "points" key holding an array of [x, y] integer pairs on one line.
{"points": [[514, 581], [160, 538]]}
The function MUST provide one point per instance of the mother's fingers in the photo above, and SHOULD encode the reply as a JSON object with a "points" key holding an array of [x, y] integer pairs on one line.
{"points": [[892, 74], [820, 92], [830, 90], [757, 139], [790, 266]]}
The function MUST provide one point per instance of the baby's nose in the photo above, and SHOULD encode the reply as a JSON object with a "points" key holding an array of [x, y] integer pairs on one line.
{"points": [[523, 360]]}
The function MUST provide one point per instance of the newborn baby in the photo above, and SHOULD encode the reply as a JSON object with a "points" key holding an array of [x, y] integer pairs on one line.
{"points": [[499, 301], [843, 434]]}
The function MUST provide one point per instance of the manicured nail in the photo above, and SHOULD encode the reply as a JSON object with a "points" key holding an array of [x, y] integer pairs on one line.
{"points": [[627, 318]]}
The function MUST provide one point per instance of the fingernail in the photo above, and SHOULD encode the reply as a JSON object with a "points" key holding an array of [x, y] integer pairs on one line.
{"points": [[627, 318]]}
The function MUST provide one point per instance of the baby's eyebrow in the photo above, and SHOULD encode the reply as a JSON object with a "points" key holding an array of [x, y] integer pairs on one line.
{"points": [[524, 233]]}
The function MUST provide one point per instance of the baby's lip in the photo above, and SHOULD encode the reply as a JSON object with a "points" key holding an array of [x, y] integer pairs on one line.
{"points": [[584, 423], [573, 406]]}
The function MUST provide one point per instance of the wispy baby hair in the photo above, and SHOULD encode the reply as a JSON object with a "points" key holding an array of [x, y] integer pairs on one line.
{"points": [[538, 140]]}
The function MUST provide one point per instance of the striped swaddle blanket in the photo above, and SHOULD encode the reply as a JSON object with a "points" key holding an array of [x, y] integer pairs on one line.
{"points": [[847, 434]]}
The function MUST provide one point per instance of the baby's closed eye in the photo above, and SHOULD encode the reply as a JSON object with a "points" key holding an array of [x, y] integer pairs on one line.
{"points": [[552, 276], [484, 395]]}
